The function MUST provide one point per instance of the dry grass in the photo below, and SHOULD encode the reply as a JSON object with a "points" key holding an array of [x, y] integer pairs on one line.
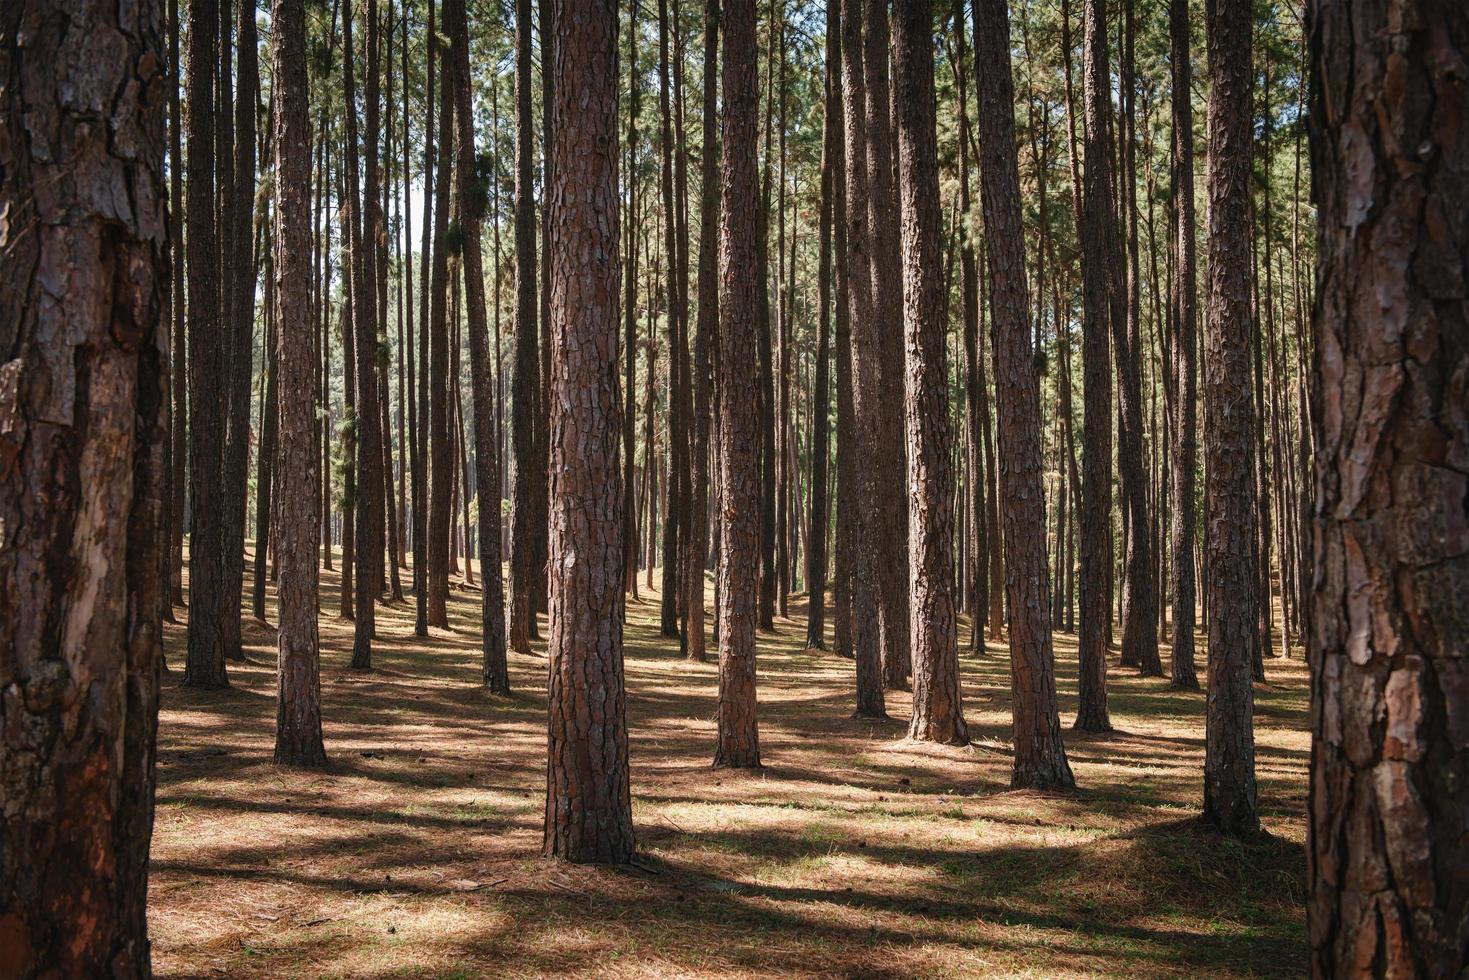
{"points": [[854, 853]]}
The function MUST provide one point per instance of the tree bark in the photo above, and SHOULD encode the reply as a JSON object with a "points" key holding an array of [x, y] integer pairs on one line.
{"points": [[1229, 742], [83, 434], [1040, 757], [442, 464], [739, 414], [588, 803], [1098, 230], [1386, 848], [298, 694], [1185, 342], [938, 708], [525, 369], [865, 545]]}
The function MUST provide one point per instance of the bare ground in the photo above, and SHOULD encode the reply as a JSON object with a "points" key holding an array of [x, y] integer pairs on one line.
{"points": [[854, 853]]}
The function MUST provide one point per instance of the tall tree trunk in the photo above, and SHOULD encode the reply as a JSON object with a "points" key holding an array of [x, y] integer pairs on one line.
{"points": [[1185, 341], [630, 302], [84, 286], [668, 606], [739, 415], [179, 414], [706, 327], [938, 709], [846, 475], [364, 225], [525, 369], [1040, 757], [1229, 741], [820, 410], [265, 462], [442, 461], [1386, 847], [298, 694], [865, 545], [1140, 600], [473, 197], [1098, 231], [204, 666], [588, 802], [428, 291], [886, 440]]}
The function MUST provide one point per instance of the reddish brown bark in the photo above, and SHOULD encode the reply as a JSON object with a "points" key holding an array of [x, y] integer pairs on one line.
{"points": [[82, 443], [1387, 848], [739, 413], [1229, 433], [588, 803], [1040, 757], [938, 709], [298, 693]]}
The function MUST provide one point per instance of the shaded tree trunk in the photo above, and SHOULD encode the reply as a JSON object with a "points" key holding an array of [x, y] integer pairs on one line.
{"points": [[1185, 341], [1098, 231], [84, 436], [865, 545], [525, 368], [588, 802], [1229, 741]]}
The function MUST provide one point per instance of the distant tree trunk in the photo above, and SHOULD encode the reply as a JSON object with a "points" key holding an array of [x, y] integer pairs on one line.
{"points": [[668, 606], [630, 302], [442, 462], [84, 285], [588, 803], [1040, 757], [1386, 848], [846, 476], [938, 708], [885, 442], [428, 292], [1229, 740], [539, 540], [473, 197], [820, 409], [363, 227], [238, 274], [1098, 231], [179, 416], [525, 369], [269, 426], [1185, 340], [204, 666], [739, 415], [975, 574], [768, 576], [865, 546], [707, 329], [298, 695]]}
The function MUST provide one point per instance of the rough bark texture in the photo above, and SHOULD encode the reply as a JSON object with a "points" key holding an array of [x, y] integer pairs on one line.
{"points": [[938, 709], [1040, 757], [298, 704], [83, 283], [204, 666], [1097, 231], [885, 445], [1387, 842], [864, 548], [1229, 431], [706, 326], [820, 410], [362, 227], [525, 367], [440, 435], [739, 412], [673, 313], [1184, 463], [588, 803], [473, 199]]}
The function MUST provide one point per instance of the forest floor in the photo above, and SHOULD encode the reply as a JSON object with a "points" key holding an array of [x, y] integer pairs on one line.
{"points": [[853, 853]]}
